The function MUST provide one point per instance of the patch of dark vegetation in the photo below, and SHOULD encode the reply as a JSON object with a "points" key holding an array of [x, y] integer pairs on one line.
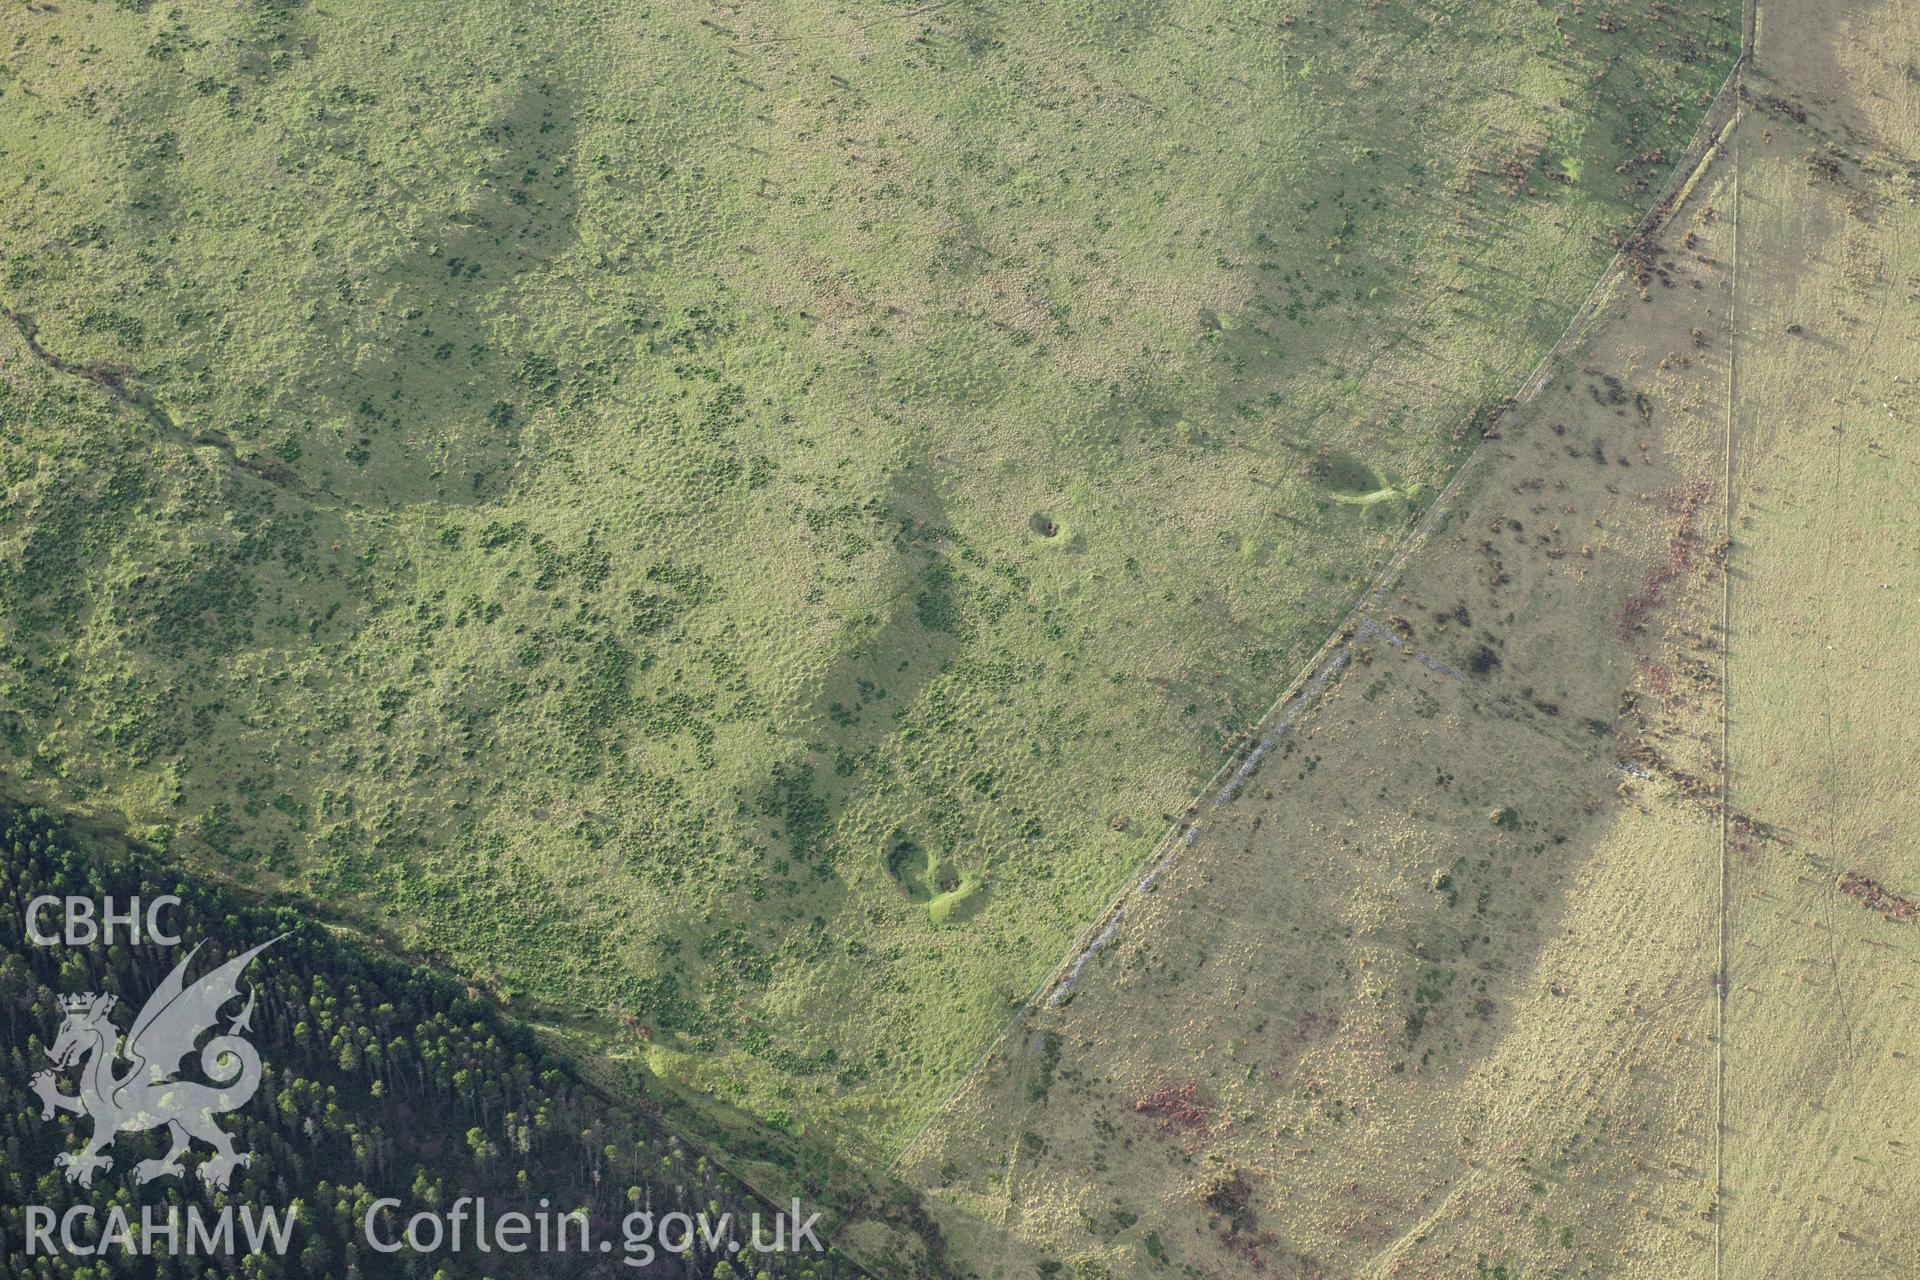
{"points": [[1230, 1194], [1609, 392], [1875, 895], [791, 797], [937, 604], [388, 1079], [1428, 992], [1484, 421], [910, 866], [1776, 104], [1049, 1045]]}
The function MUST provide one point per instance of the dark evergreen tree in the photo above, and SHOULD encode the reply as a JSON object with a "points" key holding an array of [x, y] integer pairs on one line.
{"points": [[379, 1079]]}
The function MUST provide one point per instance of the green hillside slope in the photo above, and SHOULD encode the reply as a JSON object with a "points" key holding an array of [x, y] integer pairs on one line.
{"points": [[740, 525]]}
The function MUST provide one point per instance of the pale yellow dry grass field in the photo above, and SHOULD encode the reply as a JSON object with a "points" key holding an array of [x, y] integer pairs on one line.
{"points": [[1823, 1029], [1441, 992]]}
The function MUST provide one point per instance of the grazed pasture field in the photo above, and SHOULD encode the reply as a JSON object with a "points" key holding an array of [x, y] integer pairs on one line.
{"points": [[737, 526], [1441, 993]]}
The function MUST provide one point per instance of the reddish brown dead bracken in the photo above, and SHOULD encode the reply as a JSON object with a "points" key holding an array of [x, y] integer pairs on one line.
{"points": [[1179, 1110], [1873, 894]]}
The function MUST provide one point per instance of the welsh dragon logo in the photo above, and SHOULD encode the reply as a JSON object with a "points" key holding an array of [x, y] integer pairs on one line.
{"points": [[146, 1095]]}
